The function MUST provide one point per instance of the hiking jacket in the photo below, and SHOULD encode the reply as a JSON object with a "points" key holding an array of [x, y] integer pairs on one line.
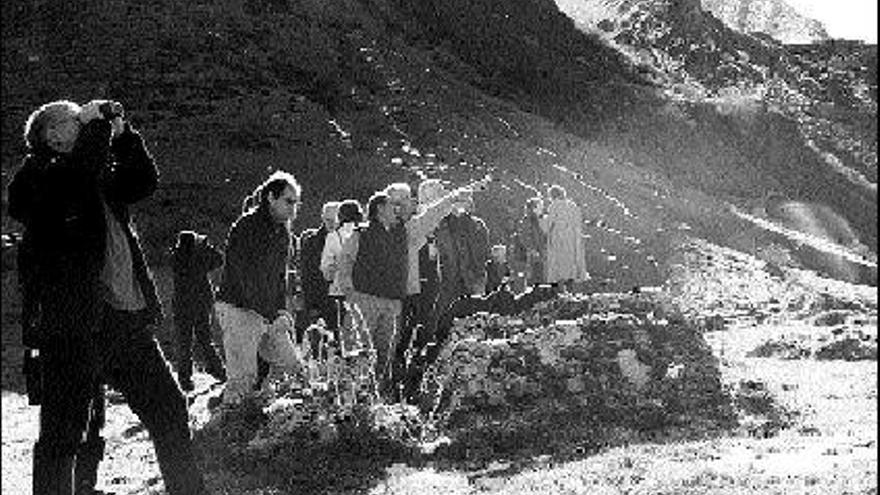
{"points": [[463, 244], [193, 293], [315, 288], [60, 200], [335, 268], [255, 270], [380, 263]]}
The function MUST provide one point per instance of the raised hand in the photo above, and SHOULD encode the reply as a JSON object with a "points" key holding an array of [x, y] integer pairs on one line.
{"points": [[101, 109]]}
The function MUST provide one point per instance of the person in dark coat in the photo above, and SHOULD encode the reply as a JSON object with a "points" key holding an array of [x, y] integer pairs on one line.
{"points": [[497, 269], [192, 259], [378, 274], [463, 245], [97, 300], [530, 243]]}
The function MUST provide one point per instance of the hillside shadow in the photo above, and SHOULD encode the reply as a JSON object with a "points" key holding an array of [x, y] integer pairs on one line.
{"points": [[503, 454], [362, 464], [354, 462]]}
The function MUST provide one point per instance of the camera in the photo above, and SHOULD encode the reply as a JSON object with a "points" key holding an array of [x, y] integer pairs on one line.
{"points": [[111, 109]]}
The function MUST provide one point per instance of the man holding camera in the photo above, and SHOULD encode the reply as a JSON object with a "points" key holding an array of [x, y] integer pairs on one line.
{"points": [[95, 298]]}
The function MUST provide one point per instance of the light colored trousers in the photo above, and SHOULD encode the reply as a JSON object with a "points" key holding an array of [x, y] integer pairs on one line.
{"points": [[381, 318], [246, 333]]}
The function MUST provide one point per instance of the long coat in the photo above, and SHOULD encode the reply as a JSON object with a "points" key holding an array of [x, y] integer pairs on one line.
{"points": [[193, 293], [59, 200], [565, 245], [463, 244]]}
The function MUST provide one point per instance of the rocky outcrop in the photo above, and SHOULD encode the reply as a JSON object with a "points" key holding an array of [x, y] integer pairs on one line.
{"points": [[771, 17]]}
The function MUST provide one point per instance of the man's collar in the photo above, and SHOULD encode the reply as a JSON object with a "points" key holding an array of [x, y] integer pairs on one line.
{"points": [[263, 213]]}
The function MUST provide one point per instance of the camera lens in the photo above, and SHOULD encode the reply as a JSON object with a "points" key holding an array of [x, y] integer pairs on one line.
{"points": [[109, 110]]}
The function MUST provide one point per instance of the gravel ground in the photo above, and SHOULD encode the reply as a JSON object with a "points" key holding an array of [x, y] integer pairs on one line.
{"points": [[831, 448]]}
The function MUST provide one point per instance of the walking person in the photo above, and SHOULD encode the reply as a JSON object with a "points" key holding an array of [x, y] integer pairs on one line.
{"points": [[530, 243], [192, 259], [383, 268], [379, 279], [315, 287], [463, 244], [337, 272], [419, 306], [419, 221], [317, 303], [252, 303], [97, 301], [563, 225]]}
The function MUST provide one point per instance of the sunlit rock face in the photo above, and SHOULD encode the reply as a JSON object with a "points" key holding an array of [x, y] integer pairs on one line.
{"points": [[772, 17], [823, 223]]}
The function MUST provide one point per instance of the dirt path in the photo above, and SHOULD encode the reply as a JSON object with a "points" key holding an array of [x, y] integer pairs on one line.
{"points": [[831, 450]]}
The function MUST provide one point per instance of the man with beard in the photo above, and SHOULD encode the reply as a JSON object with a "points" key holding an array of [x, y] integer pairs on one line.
{"points": [[252, 303]]}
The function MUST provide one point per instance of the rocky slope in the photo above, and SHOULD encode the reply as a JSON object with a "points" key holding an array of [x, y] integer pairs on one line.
{"points": [[774, 18], [820, 100], [645, 130]]}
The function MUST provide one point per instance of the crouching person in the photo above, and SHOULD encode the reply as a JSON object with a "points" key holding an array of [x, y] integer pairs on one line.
{"points": [[251, 306], [97, 301]]}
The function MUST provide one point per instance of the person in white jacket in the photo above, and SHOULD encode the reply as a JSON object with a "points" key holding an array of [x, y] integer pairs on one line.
{"points": [[335, 270], [563, 224]]}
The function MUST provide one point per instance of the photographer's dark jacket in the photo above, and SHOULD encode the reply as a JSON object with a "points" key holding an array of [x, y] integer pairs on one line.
{"points": [[193, 293], [60, 199], [257, 254]]}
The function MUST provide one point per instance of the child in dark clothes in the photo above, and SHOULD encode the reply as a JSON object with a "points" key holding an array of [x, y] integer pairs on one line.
{"points": [[497, 269], [193, 257]]}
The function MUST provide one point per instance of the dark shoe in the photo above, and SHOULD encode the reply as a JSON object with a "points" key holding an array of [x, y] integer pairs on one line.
{"points": [[219, 375], [215, 402], [88, 458]]}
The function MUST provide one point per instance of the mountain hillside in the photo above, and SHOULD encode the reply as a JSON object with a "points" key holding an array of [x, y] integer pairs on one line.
{"points": [[817, 101], [774, 18], [664, 124]]}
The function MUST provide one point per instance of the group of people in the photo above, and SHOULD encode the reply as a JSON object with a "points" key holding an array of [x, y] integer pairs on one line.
{"points": [[377, 277], [369, 278], [548, 241]]}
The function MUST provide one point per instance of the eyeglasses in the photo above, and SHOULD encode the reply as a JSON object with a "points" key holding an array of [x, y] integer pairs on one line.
{"points": [[293, 201]]}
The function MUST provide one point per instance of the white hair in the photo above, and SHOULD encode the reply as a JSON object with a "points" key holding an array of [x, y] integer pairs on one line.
{"points": [[398, 190], [329, 209]]}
